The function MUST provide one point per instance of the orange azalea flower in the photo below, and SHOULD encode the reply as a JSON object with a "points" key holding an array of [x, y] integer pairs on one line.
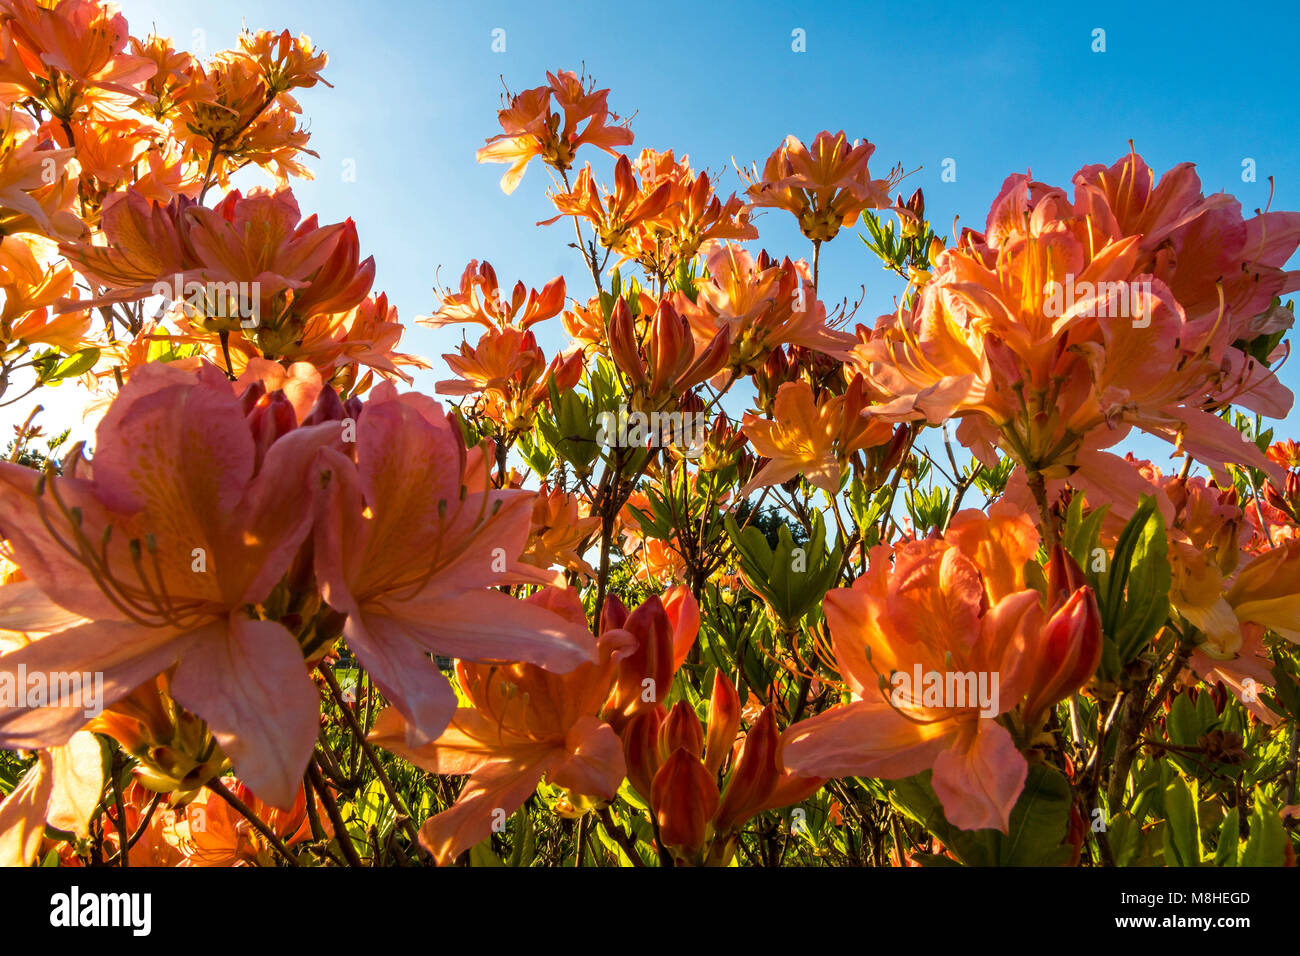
{"points": [[61, 790], [1285, 453], [656, 561], [510, 371], [522, 724], [256, 265], [694, 221], [1052, 345], [765, 304], [171, 429], [1223, 270], [108, 152], [945, 613], [531, 129], [825, 186], [208, 832], [366, 335], [37, 182], [611, 214], [810, 438], [77, 47], [286, 63], [585, 324], [142, 244], [1214, 587], [561, 527], [480, 300], [232, 112], [32, 276], [412, 556], [300, 269], [170, 82]]}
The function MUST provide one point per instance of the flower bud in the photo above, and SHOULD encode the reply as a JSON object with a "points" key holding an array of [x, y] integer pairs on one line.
{"points": [[685, 799], [622, 343], [724, 721], [681, 731], [1068, 656], [755, 776], [641, 749], [644, 676]]}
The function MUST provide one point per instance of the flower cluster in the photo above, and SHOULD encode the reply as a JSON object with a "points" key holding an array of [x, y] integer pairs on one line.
{"points": [[704, 585]]}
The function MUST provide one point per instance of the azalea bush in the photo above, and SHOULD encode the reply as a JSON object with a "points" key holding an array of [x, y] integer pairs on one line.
{"points": [[736, 576]]}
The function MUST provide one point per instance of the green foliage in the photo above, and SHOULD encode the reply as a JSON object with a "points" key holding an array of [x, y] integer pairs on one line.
{"points": [[791, 579], [1035, 837]]}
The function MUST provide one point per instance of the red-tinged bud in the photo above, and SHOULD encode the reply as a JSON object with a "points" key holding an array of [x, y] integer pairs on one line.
{"points": [[641, 749], [566, 371], [896, 447], [777, 366], [1175, 490], [917, 203], [724, 721], [911, 214], [251, 396], [770, 376], [655, 203], [684, 617], [1292, 487], [1064, 576], [685, 799], [328, 408], [613, 613], [273, 417], [691, 404], [670, 347], [681, 731], [1219, 696], [755, 776], [644, 676], [622, 343], [1067, 656], [710, 362], [624, 181]]}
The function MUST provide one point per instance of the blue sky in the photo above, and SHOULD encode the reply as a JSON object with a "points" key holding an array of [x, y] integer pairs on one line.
{"points": [[996, 88]]}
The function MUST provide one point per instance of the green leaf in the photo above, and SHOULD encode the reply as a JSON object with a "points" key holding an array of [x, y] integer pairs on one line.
{"points": [[1124, 834], [1134, 591], [1266, 845], [1181, 833], [75, 364], [1039, 822], [1184, 723], [525, 839], [480, 854], [1036, 834], [1229, 839]]}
